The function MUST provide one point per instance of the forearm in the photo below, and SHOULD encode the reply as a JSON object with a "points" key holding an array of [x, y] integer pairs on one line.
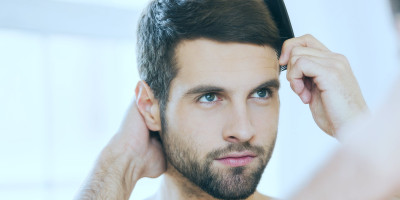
{"points": [[367, 165], [348, 176], [113, 177]]}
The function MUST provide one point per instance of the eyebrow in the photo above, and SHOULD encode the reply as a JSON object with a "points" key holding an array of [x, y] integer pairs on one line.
{"points": [[274, 84], [204, 89]]}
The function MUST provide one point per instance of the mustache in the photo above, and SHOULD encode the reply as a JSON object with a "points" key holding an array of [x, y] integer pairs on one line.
{"points": [[236, 147]]}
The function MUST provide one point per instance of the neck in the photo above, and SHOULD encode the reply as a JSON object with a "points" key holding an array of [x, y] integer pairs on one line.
{"points": [[175, 186]]}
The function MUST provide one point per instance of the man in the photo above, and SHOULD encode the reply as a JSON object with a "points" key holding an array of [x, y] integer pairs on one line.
{"points": [[206, 110], [367, 165]]}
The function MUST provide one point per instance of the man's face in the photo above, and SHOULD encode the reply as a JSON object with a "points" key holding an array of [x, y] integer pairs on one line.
{"points": [[222, 115]]}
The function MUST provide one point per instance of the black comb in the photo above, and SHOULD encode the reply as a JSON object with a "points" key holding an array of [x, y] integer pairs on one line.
{"points": [[281, 18]]}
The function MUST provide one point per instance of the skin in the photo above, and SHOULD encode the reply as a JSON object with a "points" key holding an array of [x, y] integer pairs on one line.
{"points": [[237, 113], [236, 117], [366, 166], [324, 80]]}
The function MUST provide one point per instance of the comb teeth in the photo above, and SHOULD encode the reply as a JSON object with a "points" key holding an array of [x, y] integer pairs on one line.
{"points": [[283, 68]]}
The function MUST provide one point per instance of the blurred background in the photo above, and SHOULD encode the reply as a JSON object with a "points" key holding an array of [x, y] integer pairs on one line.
{"points": [[68, 73]]}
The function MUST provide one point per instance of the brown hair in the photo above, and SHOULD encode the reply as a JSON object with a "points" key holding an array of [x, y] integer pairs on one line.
{"points": [[167, 22]]}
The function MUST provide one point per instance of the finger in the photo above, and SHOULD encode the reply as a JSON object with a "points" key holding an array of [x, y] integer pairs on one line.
{"points": [[298, 52], [301, 88], [303, 41], [300, 75], [323, 71], [297, 85], [293, 70], [327, 59], [306, 94], [311, 66]]}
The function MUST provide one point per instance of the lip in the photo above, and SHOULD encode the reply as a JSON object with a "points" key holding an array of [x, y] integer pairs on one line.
{"points": [[237, 159]]}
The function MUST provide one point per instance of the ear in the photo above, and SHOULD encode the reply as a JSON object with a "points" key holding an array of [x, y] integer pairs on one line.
{"points": [[148, 106]]}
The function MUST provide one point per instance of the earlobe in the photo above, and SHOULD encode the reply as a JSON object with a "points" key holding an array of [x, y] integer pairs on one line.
{"points": [[148, 106]]}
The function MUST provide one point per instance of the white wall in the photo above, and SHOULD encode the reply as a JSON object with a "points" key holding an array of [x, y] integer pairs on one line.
{"points": [[68, 71]]}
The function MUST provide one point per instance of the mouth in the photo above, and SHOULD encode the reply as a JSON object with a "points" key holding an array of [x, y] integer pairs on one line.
{"points": [[237, 159]]}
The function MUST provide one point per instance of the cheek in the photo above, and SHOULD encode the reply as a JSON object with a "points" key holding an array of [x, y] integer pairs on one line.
{"points": [[265, 121], [203, 128], [199, 128]]}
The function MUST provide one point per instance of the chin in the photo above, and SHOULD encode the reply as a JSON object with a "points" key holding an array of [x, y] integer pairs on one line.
{"points": [[232, 183]]}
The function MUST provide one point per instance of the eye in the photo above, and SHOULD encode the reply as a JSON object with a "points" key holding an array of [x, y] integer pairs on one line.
{"points": [[261, 93], [209, 97]]}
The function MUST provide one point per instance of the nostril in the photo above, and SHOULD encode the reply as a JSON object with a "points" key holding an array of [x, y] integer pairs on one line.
{"points": [[232, 139]]}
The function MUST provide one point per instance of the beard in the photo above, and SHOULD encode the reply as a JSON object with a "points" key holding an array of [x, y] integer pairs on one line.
{"points": [[227, 183]]}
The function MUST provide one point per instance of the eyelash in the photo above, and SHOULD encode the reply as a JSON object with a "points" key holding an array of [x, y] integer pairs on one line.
{"points": [[270, 93], [209, 102]]}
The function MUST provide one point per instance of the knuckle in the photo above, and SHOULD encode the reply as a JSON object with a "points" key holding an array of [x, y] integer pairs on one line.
{"points": [[298, 62], [309, 36], [340, 61], [302, 60], [293, 60], [296, 50], [286, 44], [340, 56], [338, 65]]}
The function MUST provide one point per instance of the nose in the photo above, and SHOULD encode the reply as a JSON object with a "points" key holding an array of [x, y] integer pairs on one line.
{"points": [[239, 127]]}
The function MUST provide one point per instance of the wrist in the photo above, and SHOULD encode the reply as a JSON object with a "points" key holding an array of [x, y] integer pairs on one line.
{"points": [[113, 177], [120, 164]]}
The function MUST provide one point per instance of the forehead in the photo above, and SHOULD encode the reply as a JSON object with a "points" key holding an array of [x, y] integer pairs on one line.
{"points": [[228, 65]]}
